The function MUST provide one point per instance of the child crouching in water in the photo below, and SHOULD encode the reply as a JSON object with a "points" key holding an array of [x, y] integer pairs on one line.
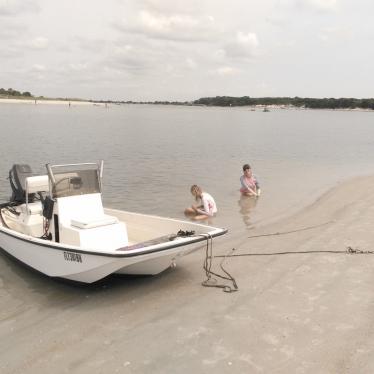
{"points": [[207, 207]]}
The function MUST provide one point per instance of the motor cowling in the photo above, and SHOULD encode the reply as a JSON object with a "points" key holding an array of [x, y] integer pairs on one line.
{"points": [[17, 178]]}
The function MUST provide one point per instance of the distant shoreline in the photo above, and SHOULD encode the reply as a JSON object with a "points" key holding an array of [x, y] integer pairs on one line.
{"points": [[36, 101], [256, 107], [282, 102]]}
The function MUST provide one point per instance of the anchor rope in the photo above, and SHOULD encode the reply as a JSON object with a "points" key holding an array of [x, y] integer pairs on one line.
{"points": [[211, 282], [349, 250], [291, 231]]}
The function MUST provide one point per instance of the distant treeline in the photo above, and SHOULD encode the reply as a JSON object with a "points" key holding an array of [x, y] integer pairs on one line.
{"points": [[227, 101], [11, 92], [163, 102], [327, 103]]}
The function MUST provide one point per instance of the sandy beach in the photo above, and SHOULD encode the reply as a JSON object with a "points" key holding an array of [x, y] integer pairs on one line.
{"points": [[293, 313], [48, 102]]}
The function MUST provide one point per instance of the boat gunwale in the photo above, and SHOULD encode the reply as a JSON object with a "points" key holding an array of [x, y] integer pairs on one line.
{"points": [[120, 252]]}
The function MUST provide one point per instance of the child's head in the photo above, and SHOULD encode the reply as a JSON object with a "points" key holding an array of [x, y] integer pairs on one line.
{"points": [[247, 170], [196, 191]]}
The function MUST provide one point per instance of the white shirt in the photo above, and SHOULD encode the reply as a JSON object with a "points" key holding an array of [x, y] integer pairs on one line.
{"points": [[209, 204]]}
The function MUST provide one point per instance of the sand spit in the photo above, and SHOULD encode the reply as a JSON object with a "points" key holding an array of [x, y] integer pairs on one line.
{"points": [[48, 102], [299, 313]]}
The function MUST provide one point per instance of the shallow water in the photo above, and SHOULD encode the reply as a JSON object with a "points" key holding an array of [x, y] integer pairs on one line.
{"points": [[153, 154]]}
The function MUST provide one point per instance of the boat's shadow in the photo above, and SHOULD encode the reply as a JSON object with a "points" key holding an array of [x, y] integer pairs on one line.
{"points": [[26, 283]]}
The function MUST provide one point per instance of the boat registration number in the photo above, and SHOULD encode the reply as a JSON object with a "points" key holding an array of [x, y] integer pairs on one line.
{"points": [[71, 256]]}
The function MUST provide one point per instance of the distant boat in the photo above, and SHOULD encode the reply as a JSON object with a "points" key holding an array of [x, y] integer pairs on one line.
{"points": [[266, 110]]}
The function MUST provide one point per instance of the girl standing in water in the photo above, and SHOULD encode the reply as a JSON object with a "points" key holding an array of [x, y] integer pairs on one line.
{"points": [[249, 182]]}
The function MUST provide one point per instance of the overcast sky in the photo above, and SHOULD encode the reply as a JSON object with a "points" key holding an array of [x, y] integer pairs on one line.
{"points": [[184, 50]]}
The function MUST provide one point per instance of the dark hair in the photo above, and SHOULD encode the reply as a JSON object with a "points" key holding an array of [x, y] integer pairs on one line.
{"points": [[246, 166]]}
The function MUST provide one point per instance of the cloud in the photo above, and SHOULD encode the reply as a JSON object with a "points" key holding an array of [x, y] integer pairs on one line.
{"points": [[190, 63], [175, 27], [8, 32], [225, 70], [319, 6], [192, 7], [181, 47], [322, 5], [340, 34], [16, 48], [79, 67], [10, 8], [131, 58], [38, 43], [38, 68], [11, 52], [314, 5], [243, 46], [161, 24]]}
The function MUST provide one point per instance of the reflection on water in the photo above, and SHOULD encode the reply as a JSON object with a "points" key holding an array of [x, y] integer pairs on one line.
{"points": [[247, 204]]}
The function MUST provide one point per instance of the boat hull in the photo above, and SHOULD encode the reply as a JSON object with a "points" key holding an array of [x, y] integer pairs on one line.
{"points": [[90, 265]]}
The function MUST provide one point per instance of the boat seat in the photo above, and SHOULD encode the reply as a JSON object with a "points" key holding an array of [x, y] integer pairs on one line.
{"points": [[89, 223], [82, 222], [38, 183], [32, 208]]}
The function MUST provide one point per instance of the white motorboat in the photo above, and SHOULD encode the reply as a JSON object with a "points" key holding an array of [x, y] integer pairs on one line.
{"points": [[56, 224]]}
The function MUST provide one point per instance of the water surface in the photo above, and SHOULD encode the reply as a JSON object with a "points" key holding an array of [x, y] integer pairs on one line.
{"points": [[153, 154]]}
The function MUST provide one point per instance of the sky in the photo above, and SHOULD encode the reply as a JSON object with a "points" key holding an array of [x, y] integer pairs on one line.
{"points": [[148, 50]]}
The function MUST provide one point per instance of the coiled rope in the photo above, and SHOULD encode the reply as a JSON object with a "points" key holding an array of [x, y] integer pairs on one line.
{"points": [[207, 266]]}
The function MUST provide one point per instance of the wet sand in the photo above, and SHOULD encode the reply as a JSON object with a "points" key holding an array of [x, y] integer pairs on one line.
{"points": [[298, 313]]}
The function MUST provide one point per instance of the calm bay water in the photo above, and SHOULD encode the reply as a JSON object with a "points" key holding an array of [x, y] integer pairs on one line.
{"points": [[153, 154]]}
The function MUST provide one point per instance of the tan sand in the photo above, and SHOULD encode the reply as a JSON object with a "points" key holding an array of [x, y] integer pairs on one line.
{"points": [[48, 102], [301, 313]]}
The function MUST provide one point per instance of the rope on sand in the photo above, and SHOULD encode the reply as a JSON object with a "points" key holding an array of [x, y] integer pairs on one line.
{"points": [[207, 266], [349, 250], [211, 282], [291, 231]]}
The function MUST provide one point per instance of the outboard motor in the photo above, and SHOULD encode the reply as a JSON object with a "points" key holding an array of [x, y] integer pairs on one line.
{"points": [[17, 177]]}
